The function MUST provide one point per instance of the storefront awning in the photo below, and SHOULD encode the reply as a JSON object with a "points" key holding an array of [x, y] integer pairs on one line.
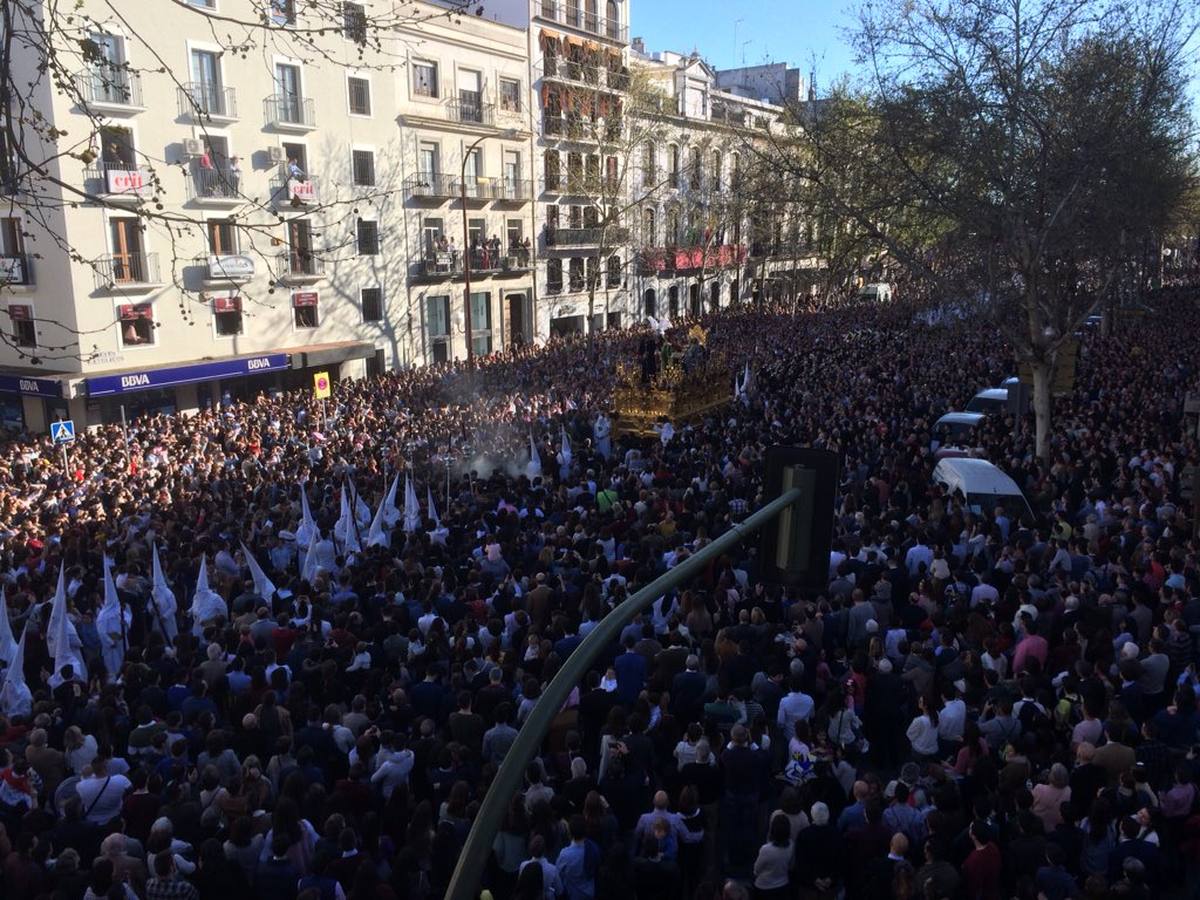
{"points": [[170, 376], [331, 354], [30, 386]]}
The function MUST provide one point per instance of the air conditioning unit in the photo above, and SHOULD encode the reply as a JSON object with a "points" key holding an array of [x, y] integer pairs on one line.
{"points": [[193, 147], [276, 155]]}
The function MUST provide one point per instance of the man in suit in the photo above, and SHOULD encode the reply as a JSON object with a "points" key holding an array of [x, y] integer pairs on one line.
{"points": [[687, 691], [631, 673]]}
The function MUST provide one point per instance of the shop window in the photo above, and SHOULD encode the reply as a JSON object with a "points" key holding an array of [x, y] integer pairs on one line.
{"points": [[227, 316], [137, 325]]}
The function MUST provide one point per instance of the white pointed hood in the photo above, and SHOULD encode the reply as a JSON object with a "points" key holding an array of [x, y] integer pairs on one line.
{"points": [[263, 586], [534, 468], [64, 652], [567, 455], [412, 510], [163, 598], [391, 513], [8, 644], [432, 512], [308, 571], [362, 512], [308, 525], [15, 697], [206, 603], [346, 529], [377, 535]]}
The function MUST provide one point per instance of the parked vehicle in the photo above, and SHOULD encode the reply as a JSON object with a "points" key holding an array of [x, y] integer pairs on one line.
{"points": [[991, 401], [983, 486]]}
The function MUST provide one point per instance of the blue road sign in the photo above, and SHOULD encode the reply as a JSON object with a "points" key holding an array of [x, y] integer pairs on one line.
{"points": [[62, 432]]}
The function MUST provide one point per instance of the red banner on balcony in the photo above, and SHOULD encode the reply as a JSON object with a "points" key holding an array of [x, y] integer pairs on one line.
{"points": [[304, 298], [135, 312], [227, 304]]}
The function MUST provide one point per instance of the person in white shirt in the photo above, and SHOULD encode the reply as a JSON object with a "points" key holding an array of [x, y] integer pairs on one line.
{"points": [[985, 593], [394, 767], [796, 706], [102, 794], [952, 720], [922, 732]]}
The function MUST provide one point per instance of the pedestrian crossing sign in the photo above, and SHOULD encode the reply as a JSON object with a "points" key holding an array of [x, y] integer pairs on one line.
{"points": [[62, 432]]}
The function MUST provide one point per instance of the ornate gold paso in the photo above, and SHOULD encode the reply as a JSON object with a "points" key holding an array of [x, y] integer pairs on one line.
{"points": [[673, 395]]}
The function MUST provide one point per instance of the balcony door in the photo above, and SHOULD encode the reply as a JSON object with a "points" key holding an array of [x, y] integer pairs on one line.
{"points": [[287, 88], [110, 82], [222, 237], [470, 96], [300, 244], [126, 249], [206, 76]]}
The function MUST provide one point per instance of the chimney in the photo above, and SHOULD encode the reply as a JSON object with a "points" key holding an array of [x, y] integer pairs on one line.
{"points": [[639, 45]]}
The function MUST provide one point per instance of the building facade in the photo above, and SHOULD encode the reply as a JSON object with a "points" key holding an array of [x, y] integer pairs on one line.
{"points": [[393, 189]]}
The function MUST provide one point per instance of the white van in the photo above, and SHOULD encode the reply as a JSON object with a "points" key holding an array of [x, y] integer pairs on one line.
{"points": [[875, 293], [992, 401], [983, 486]]}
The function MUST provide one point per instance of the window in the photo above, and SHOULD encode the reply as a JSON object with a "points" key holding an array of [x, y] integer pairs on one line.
{"points": [[222, 237], [227, 316], [137, 324], [551, 218], [510, 95], [551, 161], [283, 12], [649, 166], [476, 231], [716, 170], [425, 79], [614, 272], [649, 232], [512, 173], [673, 162], [431, 232], [516, 233], [372, 304], [12, 241], [24, 334], [304, 309], [363, 164], [301, 259], [554, 276], [697, 170], [428, 160], [368, 237], [437, 326], [360, 96], [576, 273], [117, 147], [481, 323], [354, 22], [203, 4], [470, 96], [298, 154], [288, 101], [206, 93], [673, 227], [128, 261]]}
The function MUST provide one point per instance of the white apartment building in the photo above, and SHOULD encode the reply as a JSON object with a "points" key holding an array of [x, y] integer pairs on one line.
{"points": [[704, 237], [578, 55], [466, 152], [252, 215]]}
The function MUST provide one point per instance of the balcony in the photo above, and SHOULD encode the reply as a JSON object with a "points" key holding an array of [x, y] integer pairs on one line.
{"points": [[285, 112], [215, 187], [289, 191], [127, 273], [109, 89], [120, 182], [469, 109], [224, 269], [573, 15], [208, 103], [513, 190], [672, 260], [444, 264], [583, 130], [577, 237], [16, 271], [427, 186], [300, 267]]}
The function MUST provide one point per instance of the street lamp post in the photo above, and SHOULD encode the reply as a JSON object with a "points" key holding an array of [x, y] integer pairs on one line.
{"points": [[507, 134], [462, 185]]}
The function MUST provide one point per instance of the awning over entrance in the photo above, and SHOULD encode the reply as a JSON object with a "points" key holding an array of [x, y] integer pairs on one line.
{"points": [[331, 354], [130, 381]]}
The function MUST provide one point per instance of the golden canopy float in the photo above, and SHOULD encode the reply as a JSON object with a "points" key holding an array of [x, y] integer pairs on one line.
{"points": [[688, 383]]}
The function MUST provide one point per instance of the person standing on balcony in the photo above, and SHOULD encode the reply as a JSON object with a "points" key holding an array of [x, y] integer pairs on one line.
{"points": [[295, 173], [234, 175]]}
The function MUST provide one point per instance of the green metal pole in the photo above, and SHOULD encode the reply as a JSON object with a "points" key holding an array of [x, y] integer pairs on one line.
{"points": [[464, 884]]}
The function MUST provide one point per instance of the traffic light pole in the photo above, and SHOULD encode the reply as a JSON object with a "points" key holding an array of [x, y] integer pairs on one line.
{"points": [[464, 883]]}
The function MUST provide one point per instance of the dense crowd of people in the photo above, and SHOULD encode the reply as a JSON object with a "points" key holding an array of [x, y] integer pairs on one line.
{"points": [[235, 669]]}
